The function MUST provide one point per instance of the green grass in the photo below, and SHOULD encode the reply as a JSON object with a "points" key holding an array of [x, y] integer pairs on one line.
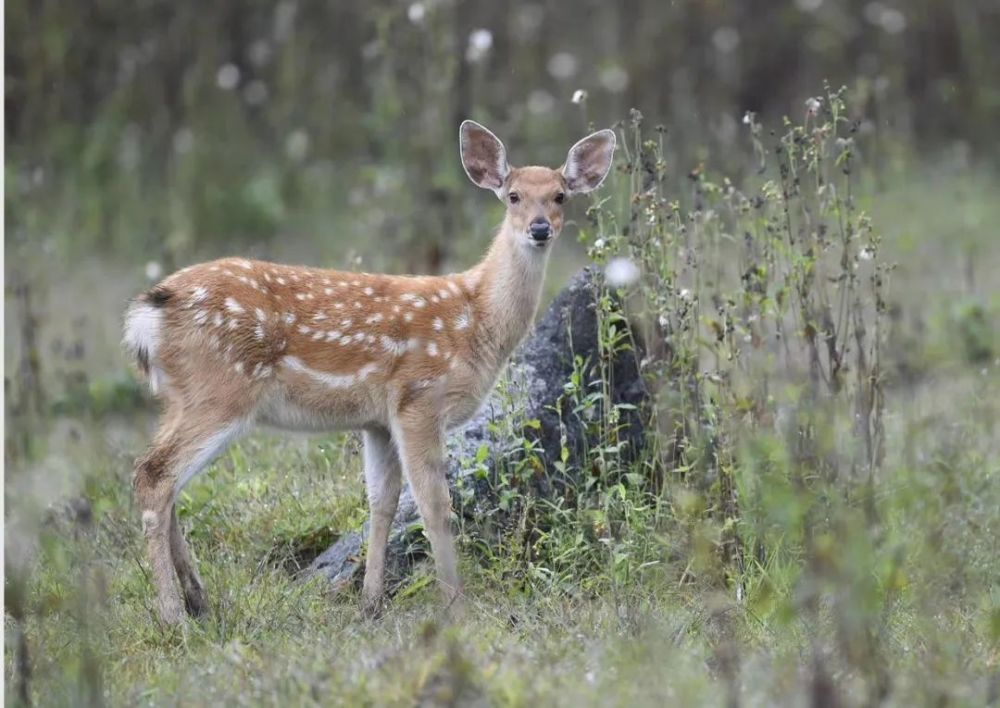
{"points": [[275, 639]]}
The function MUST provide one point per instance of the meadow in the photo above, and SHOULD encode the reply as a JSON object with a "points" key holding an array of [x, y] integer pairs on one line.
{"points": [[814, 518]]}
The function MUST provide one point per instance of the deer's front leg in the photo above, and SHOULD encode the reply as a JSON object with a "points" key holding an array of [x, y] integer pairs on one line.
{"points": [[419, 436], [383, 479]]}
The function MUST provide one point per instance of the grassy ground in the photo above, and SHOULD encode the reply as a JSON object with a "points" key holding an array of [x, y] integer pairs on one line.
{"points": [[849, 587]]}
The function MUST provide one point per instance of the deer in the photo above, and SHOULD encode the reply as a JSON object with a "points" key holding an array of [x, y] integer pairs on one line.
{"points": [[232, 344]]}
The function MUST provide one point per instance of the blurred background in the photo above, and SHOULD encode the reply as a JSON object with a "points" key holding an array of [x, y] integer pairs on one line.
{"points": [[145, 135]]}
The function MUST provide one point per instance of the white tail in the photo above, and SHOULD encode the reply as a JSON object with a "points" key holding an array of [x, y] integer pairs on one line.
{"points": [[234, 343]]}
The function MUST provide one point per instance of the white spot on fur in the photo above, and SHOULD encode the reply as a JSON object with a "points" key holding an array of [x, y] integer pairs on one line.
{"points": [[260, 314], [244, 264], [319, 317], [281, 281], [234, 323], [233, 306], [438, 324], [332, 380], [218, 319], [332, 336], [432, 349], [259, 332], [201, 317], [408, 317], [463, 320], [443, 294], [453, 287], [374, 319], [368, 291], [345, 323], [239, 367], [289, 317], [394, 346], [304, 330], [300, 296], [328, 291], [198, 294]]}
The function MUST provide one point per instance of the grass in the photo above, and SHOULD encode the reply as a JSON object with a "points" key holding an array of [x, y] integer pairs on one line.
{"points": [[767, 548]]}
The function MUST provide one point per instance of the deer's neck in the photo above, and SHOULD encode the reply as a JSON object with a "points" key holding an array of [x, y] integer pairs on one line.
{"points": [[508, 285]]}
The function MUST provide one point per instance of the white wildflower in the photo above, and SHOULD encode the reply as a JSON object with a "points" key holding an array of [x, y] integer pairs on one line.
{"points": [[480, 43], [540, 102], [227, 77], [621, 272], [416, 13], [297, 144], [562, 66], [614, 79], [726, 40], [579, 96], [808, 5]]}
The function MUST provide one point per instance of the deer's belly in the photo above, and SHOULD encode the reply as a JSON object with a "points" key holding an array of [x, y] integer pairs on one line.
{"points": [[288, 408]]}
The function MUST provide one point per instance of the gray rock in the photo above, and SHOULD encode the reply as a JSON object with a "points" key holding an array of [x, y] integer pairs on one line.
{"points": [[537, 391]]}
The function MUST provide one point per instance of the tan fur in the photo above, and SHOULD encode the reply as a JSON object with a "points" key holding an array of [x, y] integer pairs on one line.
{"points": [[234, 343]]}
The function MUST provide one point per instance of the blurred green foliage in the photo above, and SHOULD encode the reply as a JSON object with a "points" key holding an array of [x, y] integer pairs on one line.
{"points": [[176, 129]]}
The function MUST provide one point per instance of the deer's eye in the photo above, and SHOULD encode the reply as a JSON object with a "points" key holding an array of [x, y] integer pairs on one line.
{"points": [[560, 197], [514, 197]]}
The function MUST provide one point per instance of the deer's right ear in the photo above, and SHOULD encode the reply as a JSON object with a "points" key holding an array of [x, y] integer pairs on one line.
{"points": [[483, 157]]}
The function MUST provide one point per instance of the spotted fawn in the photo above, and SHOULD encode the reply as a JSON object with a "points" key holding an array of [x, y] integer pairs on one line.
{"points": [[234, 343]]}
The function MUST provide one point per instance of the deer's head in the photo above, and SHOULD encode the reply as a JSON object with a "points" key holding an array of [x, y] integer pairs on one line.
{"points": [[534, 196]]}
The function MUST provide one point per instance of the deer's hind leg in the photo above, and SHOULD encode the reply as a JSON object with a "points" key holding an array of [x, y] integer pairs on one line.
{"points": [[187, 572], [183, 446], [383, 479]]}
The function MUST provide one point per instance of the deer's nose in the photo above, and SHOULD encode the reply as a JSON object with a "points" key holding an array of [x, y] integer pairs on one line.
{"points": [[540, 229]]}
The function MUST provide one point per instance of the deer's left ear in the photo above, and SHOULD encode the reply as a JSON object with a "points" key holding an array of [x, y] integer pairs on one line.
{"points": [[589, 162]]}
